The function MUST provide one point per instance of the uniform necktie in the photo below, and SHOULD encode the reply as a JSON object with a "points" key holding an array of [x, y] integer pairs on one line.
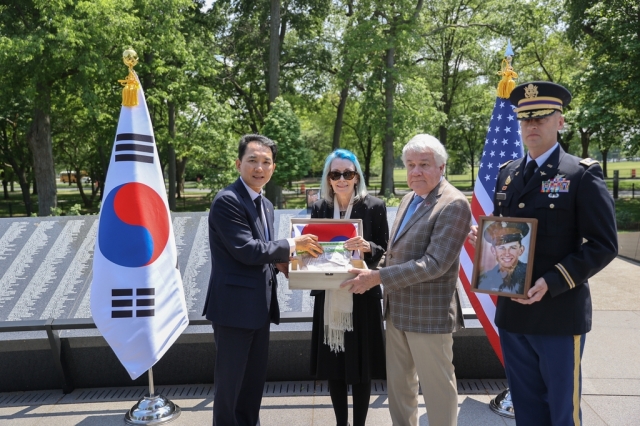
{"points": [[528, 171], [412, 208]]}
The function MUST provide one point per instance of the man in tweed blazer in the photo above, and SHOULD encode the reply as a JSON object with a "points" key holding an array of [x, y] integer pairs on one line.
{"points": [[421, 304]]}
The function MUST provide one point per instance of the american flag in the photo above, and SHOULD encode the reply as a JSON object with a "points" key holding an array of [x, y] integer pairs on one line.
{"points": [[503, 143]]}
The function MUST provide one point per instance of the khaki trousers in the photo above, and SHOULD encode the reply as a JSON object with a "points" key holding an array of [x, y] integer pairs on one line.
{"points": [[427, 358]]}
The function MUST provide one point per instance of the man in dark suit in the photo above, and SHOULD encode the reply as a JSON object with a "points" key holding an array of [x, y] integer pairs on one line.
{"points": [[242, 296], [543, 336], [510, 273]]}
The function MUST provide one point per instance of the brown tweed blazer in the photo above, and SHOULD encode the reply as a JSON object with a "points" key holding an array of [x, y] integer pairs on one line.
{"points": [[420, 269]]}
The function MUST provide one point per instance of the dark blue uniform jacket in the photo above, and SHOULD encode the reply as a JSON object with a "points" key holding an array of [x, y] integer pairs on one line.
{"points": [[576, 237]]}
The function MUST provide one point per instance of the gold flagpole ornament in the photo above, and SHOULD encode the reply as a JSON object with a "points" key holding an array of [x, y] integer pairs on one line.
{"points": [[507, 84], [130, 83]]}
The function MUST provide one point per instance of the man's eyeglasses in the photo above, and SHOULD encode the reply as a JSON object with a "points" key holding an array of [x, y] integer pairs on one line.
{"points": [[347, 175]]}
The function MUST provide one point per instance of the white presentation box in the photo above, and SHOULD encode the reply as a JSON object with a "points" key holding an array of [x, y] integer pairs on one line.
{"points": [[322, 280]]}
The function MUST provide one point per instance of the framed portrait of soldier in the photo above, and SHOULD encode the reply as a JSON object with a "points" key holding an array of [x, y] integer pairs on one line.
{"points": [[503, 262]]}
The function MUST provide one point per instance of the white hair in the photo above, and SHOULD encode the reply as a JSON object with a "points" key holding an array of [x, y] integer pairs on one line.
{"points": [[426, 143]]}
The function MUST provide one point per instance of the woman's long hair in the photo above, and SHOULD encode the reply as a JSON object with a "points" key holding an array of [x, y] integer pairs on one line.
{"points": [[326, 191]]}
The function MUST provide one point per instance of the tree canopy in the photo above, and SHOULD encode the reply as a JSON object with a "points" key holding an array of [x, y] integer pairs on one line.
{"points": [[313, 75]]}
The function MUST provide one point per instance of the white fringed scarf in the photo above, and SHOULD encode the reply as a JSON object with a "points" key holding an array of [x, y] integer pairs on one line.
{"points": [[338, 304]]}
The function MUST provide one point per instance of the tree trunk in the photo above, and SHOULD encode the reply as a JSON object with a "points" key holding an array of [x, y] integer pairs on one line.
{"points": [[39, 140], [274, 52], [442, 135], [172, 157], [337, 128], [562, 142], [605, 153], [446, 102], [368, 157], [24, 185], [273, 192], [387, 156], [105, 167], [473, 168], [585, 138], [85, 200], [19, 169], [26, 199], [5, 189], [171, 166], [181, 166]]}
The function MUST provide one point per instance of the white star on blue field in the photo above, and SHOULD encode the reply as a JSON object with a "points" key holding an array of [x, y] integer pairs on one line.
{"points": [[501, 134]]}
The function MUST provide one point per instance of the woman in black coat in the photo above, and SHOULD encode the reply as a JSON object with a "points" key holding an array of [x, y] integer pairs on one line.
{"points": [[358, 356]]}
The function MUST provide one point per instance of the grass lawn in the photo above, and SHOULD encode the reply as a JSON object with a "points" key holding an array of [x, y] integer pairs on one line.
{"points": [[195, 199], [628, 214]]}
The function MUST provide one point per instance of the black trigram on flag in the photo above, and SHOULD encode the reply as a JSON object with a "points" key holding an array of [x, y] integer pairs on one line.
{"points": [[136, 147], [124, 303]]}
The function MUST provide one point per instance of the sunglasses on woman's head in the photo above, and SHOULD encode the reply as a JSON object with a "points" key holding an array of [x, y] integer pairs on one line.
{"points": [[347, 174]]}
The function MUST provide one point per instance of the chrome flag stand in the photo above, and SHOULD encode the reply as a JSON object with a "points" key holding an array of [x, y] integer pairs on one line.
{"points": [[152, 409], [502, 404]]}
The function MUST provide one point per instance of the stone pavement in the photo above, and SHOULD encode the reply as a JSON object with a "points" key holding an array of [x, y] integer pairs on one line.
{"points": [[611, 381]]}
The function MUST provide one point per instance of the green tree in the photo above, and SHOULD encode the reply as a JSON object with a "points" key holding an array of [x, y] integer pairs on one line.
{"points": [[468, 127], [207, 125], [609, 33], [455, 35], [239, 43], [544, 52], [294, 159], [46, 46]]}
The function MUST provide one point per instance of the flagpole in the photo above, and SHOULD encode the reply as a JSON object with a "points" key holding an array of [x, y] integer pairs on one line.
{"points": [[503, 142], [151, 387], [137, 299], [152, 409], [502, 404]]}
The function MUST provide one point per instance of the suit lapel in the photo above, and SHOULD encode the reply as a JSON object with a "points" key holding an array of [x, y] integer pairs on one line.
{"points": [[250, 207], [422, 209], [269, 214], [399, 215]]}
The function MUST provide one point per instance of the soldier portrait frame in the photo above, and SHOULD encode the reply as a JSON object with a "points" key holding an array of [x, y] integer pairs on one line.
{"points": [[496, 246]]}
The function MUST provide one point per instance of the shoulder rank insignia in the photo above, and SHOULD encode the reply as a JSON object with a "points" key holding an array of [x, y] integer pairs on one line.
{"points": [[505, 163], [589, 162]]}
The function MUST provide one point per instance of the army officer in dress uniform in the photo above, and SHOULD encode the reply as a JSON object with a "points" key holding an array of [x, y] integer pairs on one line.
{"points": [[506, 246], [543, 337]]}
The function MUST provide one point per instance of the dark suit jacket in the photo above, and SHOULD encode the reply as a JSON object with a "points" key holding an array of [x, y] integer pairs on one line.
{"points": [[242, 261], [584, 212], [375, 228]]}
